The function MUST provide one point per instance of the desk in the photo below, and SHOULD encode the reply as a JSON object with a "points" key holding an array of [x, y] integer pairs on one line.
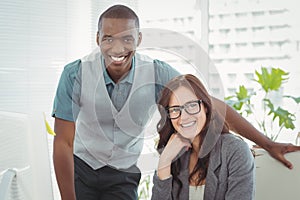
{"points": [[273, 180]]}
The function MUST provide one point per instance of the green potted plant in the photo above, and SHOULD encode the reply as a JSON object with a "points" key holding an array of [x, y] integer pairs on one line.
{"points": [[144, 187], [270, 118]]}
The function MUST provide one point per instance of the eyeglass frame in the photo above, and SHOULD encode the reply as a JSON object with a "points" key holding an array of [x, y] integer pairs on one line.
{"points": [[199, 101]]}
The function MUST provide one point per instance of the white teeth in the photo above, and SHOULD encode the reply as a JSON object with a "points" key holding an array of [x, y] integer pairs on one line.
{"points": [[187, 124], [118, 59]]}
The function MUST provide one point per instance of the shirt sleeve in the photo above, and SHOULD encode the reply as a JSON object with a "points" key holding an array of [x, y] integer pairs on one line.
{"points": [[66, 101], [163, 74]]}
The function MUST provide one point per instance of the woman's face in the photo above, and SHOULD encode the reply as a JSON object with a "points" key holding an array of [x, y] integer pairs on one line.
{"points": [[187, 124]]}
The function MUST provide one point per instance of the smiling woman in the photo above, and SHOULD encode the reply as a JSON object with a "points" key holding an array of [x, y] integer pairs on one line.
{"points": [[192, 136], [190, 122]]}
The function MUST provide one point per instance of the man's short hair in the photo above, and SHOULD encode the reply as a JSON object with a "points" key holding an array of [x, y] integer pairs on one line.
{"points": [[119, 12]]}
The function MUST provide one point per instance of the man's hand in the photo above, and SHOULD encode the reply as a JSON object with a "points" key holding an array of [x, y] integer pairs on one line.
{"points": [[277, 151]]}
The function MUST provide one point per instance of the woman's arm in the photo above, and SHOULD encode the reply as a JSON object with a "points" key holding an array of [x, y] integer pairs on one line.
{"points": [[162, 189], [162, 179], [240, 125], [175, 144]]}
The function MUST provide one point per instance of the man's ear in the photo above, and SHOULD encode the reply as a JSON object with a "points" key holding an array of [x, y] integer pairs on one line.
{"points": [[97, 38], [140, 39]]}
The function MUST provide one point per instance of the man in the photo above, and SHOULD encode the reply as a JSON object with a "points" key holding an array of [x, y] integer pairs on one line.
{"points": [[104, 98]]}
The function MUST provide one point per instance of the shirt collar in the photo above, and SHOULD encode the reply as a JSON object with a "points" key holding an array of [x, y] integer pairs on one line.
{"points": [[128, 78]]}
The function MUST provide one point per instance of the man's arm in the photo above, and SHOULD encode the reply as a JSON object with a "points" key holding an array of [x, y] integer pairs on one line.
{"points": [[240, 125], [63, 157]]}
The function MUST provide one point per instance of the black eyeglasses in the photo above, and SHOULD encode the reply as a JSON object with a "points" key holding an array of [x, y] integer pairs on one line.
{"points": [[192, 108]]}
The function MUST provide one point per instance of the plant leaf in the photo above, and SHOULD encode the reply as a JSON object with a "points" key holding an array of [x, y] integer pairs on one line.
{"points": [[48, 127], [296, 99], [285, 118], [240, 101], [271, 80]]}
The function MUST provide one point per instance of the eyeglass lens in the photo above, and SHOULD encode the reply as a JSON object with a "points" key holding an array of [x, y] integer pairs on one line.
{"points": [[191, 108]]}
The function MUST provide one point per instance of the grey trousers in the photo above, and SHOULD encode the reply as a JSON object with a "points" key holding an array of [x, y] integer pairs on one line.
{"points": [[105, 183]]}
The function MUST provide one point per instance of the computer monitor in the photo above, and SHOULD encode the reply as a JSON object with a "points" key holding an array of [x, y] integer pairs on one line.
{"points": [[24, 158]]}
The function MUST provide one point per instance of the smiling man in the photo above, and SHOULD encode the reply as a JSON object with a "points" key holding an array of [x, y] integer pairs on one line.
{"points": [[118, 39], [102, 105]]}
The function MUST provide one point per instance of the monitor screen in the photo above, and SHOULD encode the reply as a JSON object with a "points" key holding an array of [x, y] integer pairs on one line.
{"points": [[24, 158]]}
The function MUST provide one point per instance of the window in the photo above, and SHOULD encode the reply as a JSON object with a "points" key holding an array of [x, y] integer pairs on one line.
{"points": [[37, 39]]}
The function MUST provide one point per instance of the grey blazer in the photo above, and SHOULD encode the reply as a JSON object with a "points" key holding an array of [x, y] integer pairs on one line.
{"points": [[230, 174]]}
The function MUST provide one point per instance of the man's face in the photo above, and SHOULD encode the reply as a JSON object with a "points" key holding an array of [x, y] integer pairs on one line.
{"points": [[118, 40]]}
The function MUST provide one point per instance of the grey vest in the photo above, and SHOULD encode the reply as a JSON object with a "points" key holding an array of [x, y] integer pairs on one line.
{"points": [[105, 136]]}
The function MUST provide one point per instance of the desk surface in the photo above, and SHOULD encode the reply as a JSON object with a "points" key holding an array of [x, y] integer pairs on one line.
{"points": [[275, 181]]}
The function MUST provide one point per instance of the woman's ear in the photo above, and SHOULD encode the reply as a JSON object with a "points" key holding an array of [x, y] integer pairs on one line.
{"points": [[206, 111]]}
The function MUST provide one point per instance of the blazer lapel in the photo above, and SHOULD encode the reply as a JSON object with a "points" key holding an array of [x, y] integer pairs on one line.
{"points": [[184, 176]]}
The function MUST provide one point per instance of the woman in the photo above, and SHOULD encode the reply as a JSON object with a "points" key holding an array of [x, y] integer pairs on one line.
{"points": [[199, 158]]}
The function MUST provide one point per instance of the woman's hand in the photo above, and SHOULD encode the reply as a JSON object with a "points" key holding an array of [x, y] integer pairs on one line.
{"points": [[175, 144]]}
